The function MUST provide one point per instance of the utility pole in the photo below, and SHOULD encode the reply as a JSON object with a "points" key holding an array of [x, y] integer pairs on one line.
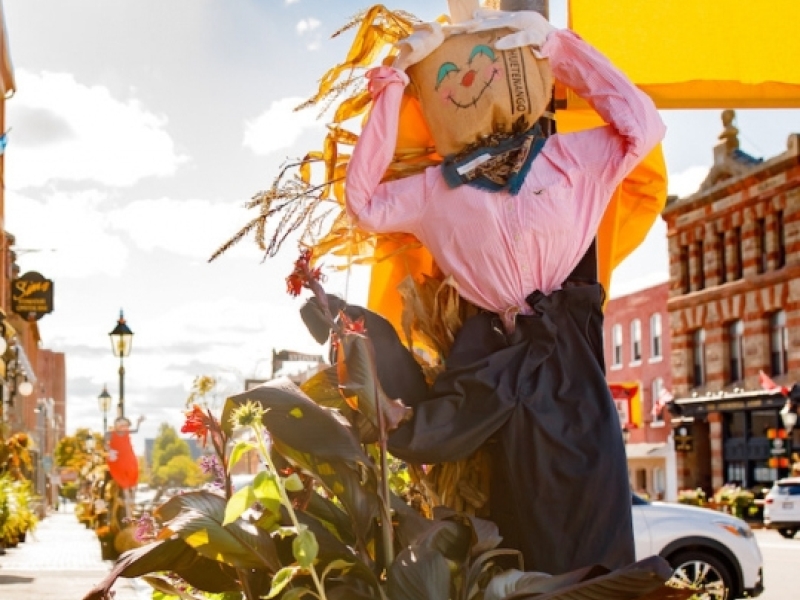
{"points": [[540, 6]]}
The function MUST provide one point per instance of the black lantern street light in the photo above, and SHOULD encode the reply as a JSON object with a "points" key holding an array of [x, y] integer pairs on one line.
{"points": [[121, 342], [104, 402]]}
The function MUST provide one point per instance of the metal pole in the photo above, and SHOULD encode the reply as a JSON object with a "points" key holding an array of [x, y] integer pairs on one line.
{"points": [[540, 6], [121, 405]]}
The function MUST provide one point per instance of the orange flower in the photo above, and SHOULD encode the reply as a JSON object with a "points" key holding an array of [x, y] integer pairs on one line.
{"points": [[197, 423]]}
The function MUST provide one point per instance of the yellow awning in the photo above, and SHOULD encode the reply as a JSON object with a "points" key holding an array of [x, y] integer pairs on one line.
{"points": [[699, 54]]}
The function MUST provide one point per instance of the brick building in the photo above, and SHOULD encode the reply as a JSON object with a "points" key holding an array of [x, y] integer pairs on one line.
{"points": [[637, 351], [734, 311]]}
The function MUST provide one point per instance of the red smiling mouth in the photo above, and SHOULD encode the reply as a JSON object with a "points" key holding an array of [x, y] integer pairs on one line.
{"points": [[468, 79]]}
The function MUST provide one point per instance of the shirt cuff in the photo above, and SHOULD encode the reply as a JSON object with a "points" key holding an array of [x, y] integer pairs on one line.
{"points": [[554, 41], [380, 77]]}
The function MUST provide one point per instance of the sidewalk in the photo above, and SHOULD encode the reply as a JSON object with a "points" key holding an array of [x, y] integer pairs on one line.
{"points": [[60, 561]]}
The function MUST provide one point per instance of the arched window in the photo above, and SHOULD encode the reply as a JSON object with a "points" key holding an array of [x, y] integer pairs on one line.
{"points": [[736, 351], [636, 341], [778, 343], [616, 341], [655, 336], [699, 358], [656, 388]]}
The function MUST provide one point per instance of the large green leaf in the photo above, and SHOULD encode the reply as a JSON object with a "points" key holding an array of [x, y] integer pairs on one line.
{"points": [[321, 442], [332, 517], [323, 388], [635, 581], [358, 380], [419, 572], [197, 517], [295, 420], [173, 555]]}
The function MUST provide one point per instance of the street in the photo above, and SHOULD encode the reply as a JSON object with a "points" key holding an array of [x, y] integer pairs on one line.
{"points": [[60, 561], [781, 561]]}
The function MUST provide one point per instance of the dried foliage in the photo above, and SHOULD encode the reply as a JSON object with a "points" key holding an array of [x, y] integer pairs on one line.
{"points": [[296, 202]]}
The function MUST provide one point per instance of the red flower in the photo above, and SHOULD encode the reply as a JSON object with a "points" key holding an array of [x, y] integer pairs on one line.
{"points": [[351, 326], [197, 423], [302, 274]]}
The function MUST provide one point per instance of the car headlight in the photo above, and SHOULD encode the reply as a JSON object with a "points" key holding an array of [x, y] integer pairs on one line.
{"points": [[737, 529]]}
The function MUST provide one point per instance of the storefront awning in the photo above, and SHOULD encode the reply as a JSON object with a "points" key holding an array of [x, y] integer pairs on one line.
{"points": [[726, 402], [641, 451]]}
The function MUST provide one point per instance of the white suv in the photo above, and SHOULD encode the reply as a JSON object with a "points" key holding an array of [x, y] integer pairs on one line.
{"points": [[782, 507], [709, 550]]}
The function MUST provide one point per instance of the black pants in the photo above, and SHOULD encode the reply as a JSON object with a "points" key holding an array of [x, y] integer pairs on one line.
{"points": [[560, 491]]}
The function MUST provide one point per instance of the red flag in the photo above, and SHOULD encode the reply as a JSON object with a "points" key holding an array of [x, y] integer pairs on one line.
{"points": [[664, 397], [769, 385]]}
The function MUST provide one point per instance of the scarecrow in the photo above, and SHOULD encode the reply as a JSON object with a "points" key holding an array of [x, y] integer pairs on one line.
{"points": [[122, 463], [510, 215], [491, 239]]}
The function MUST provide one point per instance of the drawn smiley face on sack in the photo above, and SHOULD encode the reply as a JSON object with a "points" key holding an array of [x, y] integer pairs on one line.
{"points": [[463, 85], [467, 89]]}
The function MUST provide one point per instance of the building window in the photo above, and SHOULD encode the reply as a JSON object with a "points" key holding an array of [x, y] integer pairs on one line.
{"points": [[656, 389], [735, 351], [699, 358], [655, 336], [737, 473], [701, 267], [636, 341], [616, 340], [779, 343], [723, 261], [780, 237], [739, 264], [685, 272], [761, 245]]}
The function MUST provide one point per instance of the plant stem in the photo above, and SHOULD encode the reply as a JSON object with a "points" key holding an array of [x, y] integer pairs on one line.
{"points": [[262, 447]]}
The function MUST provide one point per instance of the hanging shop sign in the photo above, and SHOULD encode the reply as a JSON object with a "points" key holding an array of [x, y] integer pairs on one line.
{"points": [[32, 296], [684, 442]]}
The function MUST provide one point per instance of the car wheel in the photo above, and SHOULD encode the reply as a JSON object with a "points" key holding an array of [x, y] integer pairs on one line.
{"points": [[703, 572], [787, 532]]}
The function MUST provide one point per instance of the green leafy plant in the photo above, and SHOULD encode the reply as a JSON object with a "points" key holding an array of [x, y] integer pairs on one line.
{"points": [[321, 519]]}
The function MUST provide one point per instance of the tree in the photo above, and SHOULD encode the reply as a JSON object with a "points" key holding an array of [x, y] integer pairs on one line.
{"points": [[180, 471], [172, 464], [71, 450]]}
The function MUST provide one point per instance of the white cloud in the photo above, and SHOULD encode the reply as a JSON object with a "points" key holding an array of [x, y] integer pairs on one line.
{"points": [[687, 182], [63, 130], [279, 126], [305, 25], [194, 228], [291, 2], [66, 231]]}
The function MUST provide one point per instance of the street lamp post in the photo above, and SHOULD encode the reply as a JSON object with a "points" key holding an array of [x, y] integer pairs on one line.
{"points": [[789, 417], [121, 342], [104, 402]]}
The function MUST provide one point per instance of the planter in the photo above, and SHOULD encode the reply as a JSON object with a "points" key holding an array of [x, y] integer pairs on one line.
{"points": [[107, 549]]}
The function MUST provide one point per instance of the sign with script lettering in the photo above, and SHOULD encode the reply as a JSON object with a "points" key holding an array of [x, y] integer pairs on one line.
{"points": [[32, 296]]}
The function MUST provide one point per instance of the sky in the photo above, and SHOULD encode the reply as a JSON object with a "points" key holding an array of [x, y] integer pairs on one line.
{"points": [[138, 131]]}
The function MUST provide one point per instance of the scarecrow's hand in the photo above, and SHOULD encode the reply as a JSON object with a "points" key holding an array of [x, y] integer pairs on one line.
{"points": [[531, 27], [412, 49]]}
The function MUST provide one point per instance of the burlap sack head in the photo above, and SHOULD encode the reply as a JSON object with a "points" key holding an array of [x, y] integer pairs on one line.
{"points": [[469, 90]]}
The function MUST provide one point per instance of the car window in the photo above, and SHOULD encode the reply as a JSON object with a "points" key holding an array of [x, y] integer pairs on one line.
{"points": [[792, 489]]}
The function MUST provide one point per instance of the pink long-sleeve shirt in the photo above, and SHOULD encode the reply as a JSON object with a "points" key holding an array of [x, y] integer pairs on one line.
{"points": [[501, 247]]}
